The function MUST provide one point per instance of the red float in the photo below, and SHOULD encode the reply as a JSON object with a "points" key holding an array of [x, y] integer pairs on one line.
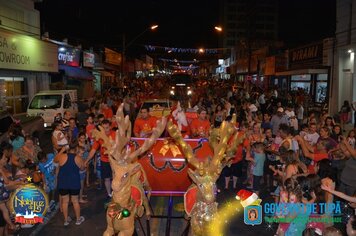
{"points": [[166, 167]]}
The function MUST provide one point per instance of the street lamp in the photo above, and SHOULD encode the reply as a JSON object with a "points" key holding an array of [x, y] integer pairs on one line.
{"points": [[126, 45], [218, 28]]}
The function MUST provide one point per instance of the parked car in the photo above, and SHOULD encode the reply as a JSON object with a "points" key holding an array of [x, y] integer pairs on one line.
{"points": [[33, 125]]}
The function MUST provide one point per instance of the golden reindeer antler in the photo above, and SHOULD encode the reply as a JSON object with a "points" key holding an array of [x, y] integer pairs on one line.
{"points": [[123, 134], [175, 133], [220, 146], [157, 131]]}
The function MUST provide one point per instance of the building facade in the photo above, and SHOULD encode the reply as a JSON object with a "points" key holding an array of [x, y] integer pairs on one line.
{"points": [[248, 20], [25, 60], [344, 84]]}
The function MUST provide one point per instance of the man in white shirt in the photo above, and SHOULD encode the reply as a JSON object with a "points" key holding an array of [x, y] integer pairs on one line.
{"points": [[313, 136], [292, 119], [300, 113], [277, 119], [262, 102]]}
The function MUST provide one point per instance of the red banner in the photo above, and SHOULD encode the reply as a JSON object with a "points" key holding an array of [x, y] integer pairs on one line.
{"points": [[23, 220], [166, 167]]}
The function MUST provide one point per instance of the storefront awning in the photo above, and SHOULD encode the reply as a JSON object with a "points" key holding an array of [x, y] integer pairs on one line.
{"points": [[303, 72], [76, 72]]}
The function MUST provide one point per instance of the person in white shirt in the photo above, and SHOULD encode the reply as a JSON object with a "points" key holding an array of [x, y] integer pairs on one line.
{"points": [[58, 138], [292, 118], [275, 93], [262, 102], [312, 137], [300, 113]]}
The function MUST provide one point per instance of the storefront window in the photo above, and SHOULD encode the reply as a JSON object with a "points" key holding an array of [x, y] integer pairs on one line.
{"points": [[305, 77], [321, 91], [300, 85], [322, 77], [321, 88], [301, 82], [16, 94]]}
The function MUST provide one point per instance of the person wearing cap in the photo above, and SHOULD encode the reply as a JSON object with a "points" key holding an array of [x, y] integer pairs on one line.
{"points": [[277, 119]]}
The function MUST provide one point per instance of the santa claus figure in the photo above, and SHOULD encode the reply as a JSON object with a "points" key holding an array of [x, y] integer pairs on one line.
{"points": [[180, 120]]}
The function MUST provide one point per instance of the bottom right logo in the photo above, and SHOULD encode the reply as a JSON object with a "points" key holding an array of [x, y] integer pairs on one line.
{"points": [[253, 215]]}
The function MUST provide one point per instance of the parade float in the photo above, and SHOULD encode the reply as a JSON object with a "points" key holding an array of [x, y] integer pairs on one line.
{"points": [[168, 166]]}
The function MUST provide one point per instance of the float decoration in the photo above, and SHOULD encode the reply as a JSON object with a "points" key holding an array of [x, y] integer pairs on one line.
{"points": [[199, 200], [129, 179]]}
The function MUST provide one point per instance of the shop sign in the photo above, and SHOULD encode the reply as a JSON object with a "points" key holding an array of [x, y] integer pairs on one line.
{"points": [[270, 66], [138, 65], [281, 63], [68, 56], [148, 60], [307, 55], [88, 59], [22, 52], [113, 57], [129, 66]]}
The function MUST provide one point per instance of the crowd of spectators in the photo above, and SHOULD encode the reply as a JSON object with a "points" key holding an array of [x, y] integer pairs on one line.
{"points": [[289, 152]]}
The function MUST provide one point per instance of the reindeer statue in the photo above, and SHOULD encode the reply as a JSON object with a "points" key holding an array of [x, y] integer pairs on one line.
{"points": [[129, 178], [199, 200]]}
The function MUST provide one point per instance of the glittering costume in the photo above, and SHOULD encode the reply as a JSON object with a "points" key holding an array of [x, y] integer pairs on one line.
{"points": [[199, 200], [129, 179]]}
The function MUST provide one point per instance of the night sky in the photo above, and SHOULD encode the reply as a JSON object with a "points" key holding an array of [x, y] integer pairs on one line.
{"points": [[182, 23]]}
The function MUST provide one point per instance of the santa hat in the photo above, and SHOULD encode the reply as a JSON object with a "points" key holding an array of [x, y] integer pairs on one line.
{"points": [[247, 198]]}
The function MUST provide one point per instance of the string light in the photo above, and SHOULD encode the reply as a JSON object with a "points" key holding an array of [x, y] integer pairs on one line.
{"points": [[185, 50]]}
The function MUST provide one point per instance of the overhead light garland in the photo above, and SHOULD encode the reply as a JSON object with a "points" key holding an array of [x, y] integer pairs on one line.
{"points": [[178, 61], [183, 50], [185, 67]]}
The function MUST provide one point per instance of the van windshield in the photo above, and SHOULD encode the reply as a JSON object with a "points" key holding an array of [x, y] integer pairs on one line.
{"points": [[181, 79], [46, 102]]}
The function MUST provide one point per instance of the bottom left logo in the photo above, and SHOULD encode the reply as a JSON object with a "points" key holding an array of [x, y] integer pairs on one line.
{"points": [[29, 204]]}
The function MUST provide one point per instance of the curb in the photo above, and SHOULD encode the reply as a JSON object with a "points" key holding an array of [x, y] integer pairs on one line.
{"points": [[39, 227]]}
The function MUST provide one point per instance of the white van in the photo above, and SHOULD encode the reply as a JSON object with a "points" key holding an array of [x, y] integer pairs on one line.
{"points": [[49, 103]]}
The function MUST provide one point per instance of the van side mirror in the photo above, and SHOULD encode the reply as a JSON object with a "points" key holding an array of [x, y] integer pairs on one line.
{"points": [[66, 102]]}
